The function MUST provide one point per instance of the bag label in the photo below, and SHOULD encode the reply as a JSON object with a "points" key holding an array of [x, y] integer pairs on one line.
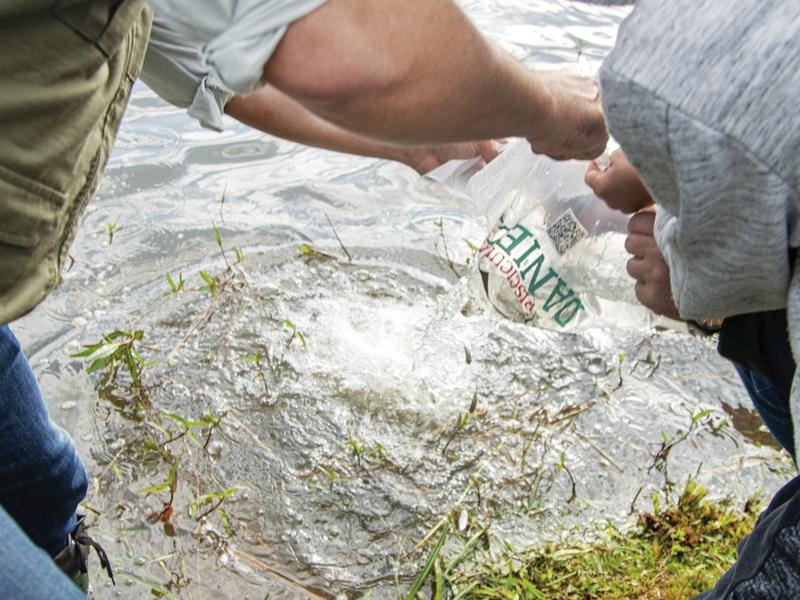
{"points": [[517, 256]]}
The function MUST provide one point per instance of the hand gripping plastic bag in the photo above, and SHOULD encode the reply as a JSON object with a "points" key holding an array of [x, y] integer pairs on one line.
{"points": [[554, 256]]}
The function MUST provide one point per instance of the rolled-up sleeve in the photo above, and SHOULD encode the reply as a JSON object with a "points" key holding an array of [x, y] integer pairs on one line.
{"points": [[201, 54]]}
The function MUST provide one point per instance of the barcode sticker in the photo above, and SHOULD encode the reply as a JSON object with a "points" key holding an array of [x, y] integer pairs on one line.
{"points": [[566, 231]]}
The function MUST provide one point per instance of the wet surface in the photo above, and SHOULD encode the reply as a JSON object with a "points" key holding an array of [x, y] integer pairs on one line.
{"points": [[358, 401]]}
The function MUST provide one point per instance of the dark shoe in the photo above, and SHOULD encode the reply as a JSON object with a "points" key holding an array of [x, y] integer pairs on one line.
{"points": [[73, 559]]}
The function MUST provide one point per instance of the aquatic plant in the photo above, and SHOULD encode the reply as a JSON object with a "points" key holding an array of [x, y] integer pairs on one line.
{"points": [[174, 287], [308, 251], [439, 223], [170, 484], [111, 229], [671, 553], [295, 333], [256, 359], [215, 499], [118, 350]]}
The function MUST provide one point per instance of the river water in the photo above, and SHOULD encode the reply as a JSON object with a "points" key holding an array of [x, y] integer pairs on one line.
{"points": [[348, 440]]}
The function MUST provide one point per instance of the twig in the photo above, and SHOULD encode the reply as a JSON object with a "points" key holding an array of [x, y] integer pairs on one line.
{"points": [[441, 522], [264, 567], [199, 321], [222, 202], [440, 224], [599, 450], [338, 239], [211, 509], [635, 498]]}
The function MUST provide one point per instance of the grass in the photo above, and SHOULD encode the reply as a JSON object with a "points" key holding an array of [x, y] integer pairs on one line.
{"points": [[671, 553], [169, 451]]}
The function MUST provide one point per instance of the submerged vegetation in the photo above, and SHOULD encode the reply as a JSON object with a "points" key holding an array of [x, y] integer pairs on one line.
{"points": [[671, 552]]}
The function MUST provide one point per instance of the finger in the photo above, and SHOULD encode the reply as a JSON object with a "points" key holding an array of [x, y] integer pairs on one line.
{"points": [[617, 156], [643, 294], [550, 153], [593, 173], [597, 179], [642, 222], [638, 269], [488, 150], [640, 245]]}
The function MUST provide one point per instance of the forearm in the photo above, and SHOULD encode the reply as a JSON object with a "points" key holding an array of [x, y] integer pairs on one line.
{"points": [[419, 74], [275, 113]]}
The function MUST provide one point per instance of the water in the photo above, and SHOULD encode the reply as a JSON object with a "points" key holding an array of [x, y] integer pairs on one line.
{"points": [[395, 354]]}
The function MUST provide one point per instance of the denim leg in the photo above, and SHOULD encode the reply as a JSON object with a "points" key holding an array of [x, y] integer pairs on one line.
{"points": [[25, 569], [42, 479], [772, 406]]}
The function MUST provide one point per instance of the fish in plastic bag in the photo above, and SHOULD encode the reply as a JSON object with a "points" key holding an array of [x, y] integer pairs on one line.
{"points": [[555, 254]]}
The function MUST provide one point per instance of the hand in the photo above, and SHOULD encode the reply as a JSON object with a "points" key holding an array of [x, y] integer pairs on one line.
{"points": [[619, 185], [423, 160], [575, 127], [648, 267]]}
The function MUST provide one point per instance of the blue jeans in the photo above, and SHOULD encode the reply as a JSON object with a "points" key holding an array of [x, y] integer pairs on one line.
{"points": [[42, 479], [26, 571], [772, 406]]}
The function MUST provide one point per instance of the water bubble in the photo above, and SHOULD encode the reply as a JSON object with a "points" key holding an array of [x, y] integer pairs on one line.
{"points": [[215, 448], [72, 347], [596, 365]]}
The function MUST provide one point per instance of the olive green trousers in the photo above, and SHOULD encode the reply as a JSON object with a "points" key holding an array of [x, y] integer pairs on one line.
{"points": [[66, 72]]}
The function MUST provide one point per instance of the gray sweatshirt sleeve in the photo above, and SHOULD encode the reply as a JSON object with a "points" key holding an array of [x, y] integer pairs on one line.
{"points": [[727, 243], [722, 221]]}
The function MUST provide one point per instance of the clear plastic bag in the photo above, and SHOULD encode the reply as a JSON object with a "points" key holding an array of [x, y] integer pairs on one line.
{"points": [[554, 255]]}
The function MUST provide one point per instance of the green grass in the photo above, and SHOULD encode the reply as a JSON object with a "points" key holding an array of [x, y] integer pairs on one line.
{"points": [[671, 553]]}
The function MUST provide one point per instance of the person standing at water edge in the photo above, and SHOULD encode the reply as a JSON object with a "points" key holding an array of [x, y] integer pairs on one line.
{"points": [[703, 102], [67, 73]]}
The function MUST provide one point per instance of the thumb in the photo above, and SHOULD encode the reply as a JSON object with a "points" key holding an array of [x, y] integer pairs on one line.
{"points": [[593, 176]]}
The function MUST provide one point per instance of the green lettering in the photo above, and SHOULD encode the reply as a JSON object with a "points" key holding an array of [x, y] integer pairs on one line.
{"points": [[557, 296], [512, 241], [501, 231], [527, 253], [562, 319], [536, 283]]}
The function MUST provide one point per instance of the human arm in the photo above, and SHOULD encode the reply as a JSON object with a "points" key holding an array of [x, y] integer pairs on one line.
{"points": [[422, 74], [273, 112], [619, 186]]}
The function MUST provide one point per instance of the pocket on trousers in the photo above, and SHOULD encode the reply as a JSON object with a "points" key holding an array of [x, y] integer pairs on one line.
{"points": [[105, 23], [29, 211]]}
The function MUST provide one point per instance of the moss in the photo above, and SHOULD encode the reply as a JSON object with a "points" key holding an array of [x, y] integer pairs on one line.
{"points": [[671, 553]]}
